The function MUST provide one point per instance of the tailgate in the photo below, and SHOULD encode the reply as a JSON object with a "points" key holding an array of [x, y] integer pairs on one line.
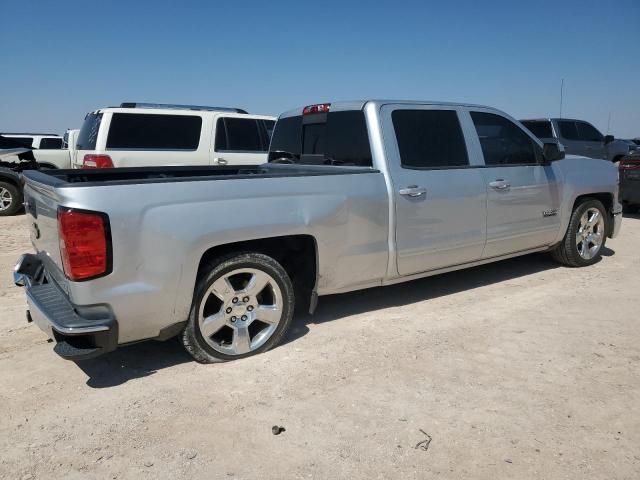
{"points": [[41, 208]]}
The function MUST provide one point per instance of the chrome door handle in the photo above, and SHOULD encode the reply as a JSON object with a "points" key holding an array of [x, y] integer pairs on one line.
{"points": [[413, 191], [500, 184], [220, 161]]}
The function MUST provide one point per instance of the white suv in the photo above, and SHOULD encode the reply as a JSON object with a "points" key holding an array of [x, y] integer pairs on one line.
{"points": [[143, 134]]}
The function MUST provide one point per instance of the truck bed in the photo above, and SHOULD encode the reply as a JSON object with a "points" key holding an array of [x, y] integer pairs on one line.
{"points": [[144, 175]]}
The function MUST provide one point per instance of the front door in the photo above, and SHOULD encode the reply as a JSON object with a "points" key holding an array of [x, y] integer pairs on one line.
{"points": [[439, 195], [239, 141], [522, 193]]}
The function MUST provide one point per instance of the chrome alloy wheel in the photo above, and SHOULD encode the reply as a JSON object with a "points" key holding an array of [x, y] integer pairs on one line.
{"points": [[240, 311], [6, 199], [590, 234]]}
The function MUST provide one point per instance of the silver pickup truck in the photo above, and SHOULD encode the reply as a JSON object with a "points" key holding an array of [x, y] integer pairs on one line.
{"points": [[355, 195]]}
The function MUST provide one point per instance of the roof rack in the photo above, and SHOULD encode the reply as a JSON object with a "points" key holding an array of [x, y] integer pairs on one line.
{"points": [[180, 107], [30, 133]]}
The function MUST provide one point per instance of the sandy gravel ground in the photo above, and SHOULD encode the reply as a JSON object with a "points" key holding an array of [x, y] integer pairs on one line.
{"points": [[520, 370]]}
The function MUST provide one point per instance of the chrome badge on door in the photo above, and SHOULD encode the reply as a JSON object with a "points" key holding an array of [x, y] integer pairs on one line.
{"points": [[550, 213]]}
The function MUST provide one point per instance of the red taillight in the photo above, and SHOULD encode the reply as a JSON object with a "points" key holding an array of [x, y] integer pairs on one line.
{"points": [[85, 244], [629, 164], [319, 108], [97, 161]]}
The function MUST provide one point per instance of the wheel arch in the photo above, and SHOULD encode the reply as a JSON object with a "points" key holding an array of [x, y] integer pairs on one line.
{"points": [[298, 255]]}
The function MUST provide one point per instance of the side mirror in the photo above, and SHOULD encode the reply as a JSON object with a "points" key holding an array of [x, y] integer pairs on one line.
{"points": [[552, 151], [608, 139]]}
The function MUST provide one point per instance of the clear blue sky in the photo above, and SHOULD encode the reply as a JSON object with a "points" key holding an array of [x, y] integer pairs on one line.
{"points": [[63, 59]]}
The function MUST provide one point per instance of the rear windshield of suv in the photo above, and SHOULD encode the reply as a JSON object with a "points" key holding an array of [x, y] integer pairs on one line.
{"points": [[147, 131], [334, 138], [89, 132], [540, 129], [26, 141]]}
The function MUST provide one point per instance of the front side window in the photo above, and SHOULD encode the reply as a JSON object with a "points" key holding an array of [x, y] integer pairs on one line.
{"points": [[334, 138], [502, 141], [589, 133], [89, 132], [242, 135], [50, 144], [429, 138], [568, 130], [539, 129], [142, 131]]}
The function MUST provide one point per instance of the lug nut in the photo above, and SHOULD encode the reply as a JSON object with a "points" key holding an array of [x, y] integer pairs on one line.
{"points": [[235, 300], [244, 318], [250, 308], [233, 319], [229, 309], [245, 299]]}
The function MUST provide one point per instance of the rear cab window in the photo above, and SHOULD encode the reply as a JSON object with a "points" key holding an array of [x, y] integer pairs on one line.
{"points": [[148, 131], [333, 138]]}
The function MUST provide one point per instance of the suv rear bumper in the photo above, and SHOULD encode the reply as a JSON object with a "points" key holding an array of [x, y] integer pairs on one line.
{"points": [[80, 332]]}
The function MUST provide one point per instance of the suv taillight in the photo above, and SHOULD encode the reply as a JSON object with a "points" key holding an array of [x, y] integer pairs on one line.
{"points": [[85, 243], [97, 161], [629, 164]]}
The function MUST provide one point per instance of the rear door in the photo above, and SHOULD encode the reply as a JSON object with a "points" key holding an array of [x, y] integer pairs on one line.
{"points": [[439, 191], [522, 193], [240, 141]]}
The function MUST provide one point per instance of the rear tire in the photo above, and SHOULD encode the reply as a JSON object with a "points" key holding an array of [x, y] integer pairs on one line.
{"points": [[242, 305], [11, 199], [585, 237]]}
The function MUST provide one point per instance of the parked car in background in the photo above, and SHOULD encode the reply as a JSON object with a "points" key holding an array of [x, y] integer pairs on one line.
{"points": [[634, 145], [142, 134], [356, 195], [578, 137], [629, 172], [15, 158], [48, 148]]}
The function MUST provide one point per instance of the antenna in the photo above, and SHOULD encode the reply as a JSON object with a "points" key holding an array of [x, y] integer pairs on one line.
{"points": [[608, 123], [561, 93]]}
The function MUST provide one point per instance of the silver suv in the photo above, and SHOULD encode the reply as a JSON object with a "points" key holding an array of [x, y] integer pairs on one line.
{"points": [[578, 137]]}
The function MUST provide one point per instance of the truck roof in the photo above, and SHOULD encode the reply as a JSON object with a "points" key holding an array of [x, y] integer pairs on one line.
{"points": [[552, 119], [178, 111], [360, 104], [31, 134]]}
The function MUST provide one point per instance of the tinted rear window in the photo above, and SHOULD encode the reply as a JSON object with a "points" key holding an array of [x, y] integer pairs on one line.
{"points": [[429, 138], [26, 141], [540, 129], [50, 144], [338, 138], [141, 131], [89, 132]]}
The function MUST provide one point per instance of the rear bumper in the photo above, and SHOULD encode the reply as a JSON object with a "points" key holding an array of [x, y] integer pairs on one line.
{"points": [[80, 333]]}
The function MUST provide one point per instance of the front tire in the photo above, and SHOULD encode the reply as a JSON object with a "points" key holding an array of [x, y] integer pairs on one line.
{"points": [[586, 235], [11, 199], [243, 305]]}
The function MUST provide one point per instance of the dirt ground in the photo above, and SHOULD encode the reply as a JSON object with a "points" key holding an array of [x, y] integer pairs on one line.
{"points": [[520, 370]]}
